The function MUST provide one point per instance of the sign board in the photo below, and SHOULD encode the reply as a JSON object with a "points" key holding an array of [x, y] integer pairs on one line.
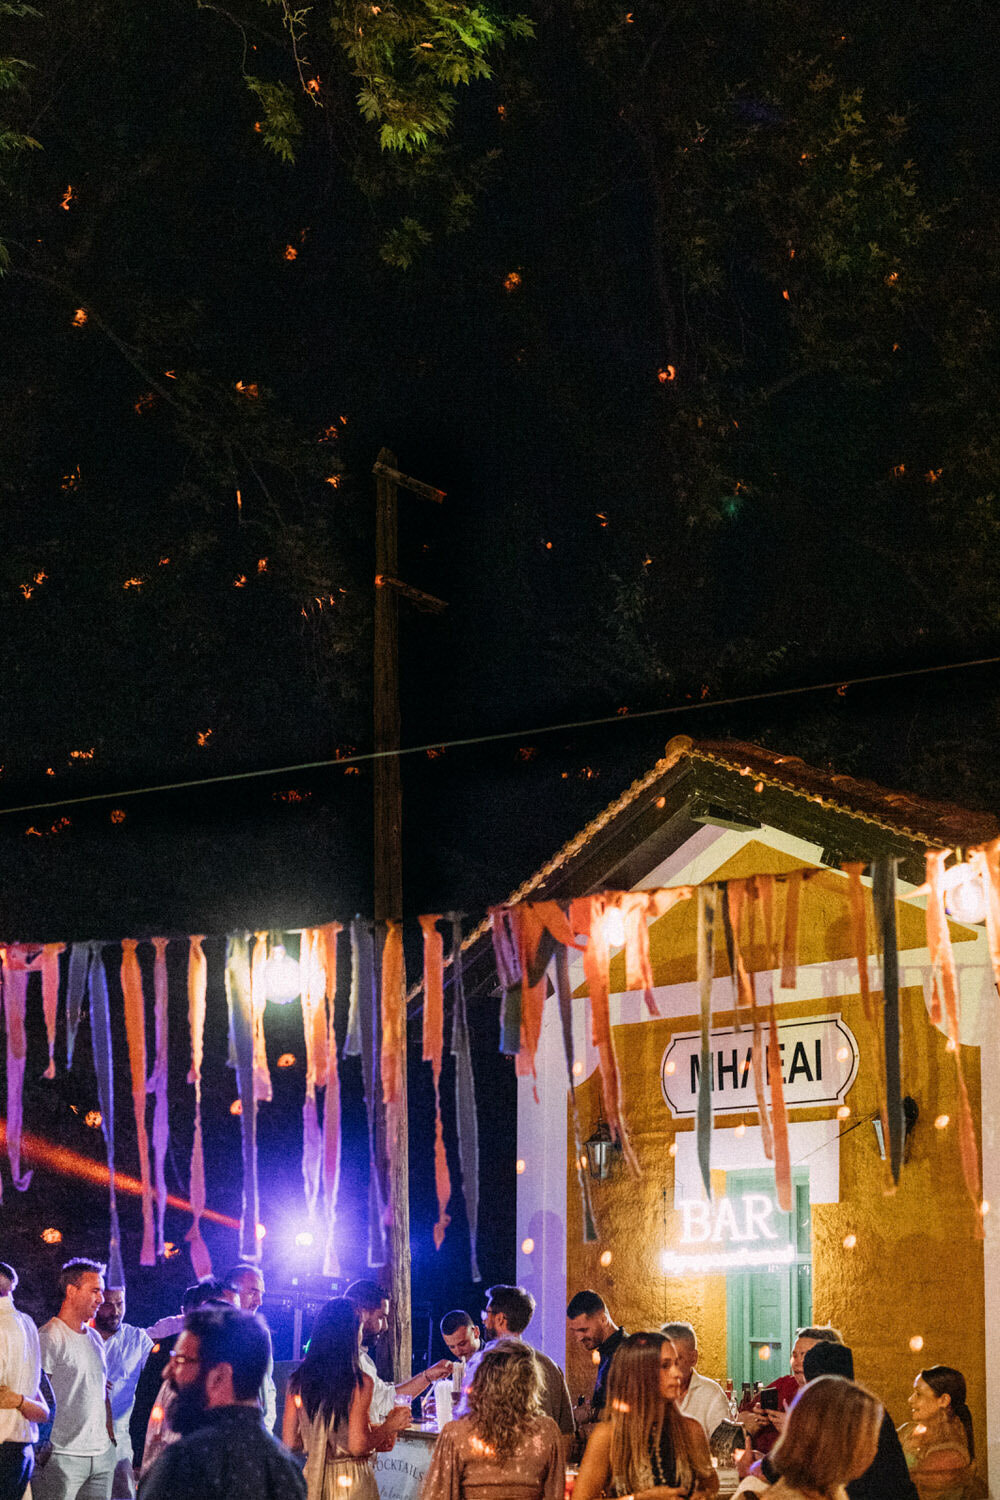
{"points": [[728, 1233], [819, 1062], [400, 1473]]}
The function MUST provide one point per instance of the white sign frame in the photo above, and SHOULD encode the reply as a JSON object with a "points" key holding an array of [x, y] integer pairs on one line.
{"points": [[810, 1045]]}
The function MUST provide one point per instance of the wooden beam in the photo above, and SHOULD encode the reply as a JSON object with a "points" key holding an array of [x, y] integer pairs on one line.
{"points": [[428, 602], [385, 470]]}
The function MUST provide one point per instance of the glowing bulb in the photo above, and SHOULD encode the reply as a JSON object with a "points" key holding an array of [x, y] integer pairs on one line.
{"points": [[521, 1166], [595, 1356], [236, 1108], [577, 1069], [283, 981], [843, 1053], [261, 1231], [916, 1343], [52, 1236], [741, 1129], [527, 1246], [764, 1352], [843, 1112], [286, 1060], [605, 1257], [965, 899], [93, 1118], [304, 1238], [670, 1067], [614, 926], [850, 1240], [942, 1122], [984, 1208], [950, 1046], [672, 1149]]}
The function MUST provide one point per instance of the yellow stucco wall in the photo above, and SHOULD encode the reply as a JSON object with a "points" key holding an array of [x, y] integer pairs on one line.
{"points": [[917, 1267]]}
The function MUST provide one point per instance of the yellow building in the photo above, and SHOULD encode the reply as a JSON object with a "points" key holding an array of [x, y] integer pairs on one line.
{"points": [[888, 1267]]}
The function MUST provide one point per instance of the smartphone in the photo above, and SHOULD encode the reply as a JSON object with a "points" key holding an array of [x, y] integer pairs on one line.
{"points": [[769, 1400]]}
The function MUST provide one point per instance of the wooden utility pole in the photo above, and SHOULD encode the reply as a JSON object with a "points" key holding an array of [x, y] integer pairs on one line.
{"points": [[389, 853]]}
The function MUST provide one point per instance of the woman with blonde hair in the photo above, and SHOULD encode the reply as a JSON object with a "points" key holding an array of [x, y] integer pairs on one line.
{"points": [[644, 1447], [501, 1443], [830, 1438]]}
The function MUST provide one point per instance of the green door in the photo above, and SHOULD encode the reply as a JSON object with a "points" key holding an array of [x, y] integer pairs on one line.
{"points": [[766, 1304]]}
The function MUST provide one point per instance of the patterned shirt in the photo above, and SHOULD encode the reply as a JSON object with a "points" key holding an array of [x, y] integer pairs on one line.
{"points": [[231, 1458]]}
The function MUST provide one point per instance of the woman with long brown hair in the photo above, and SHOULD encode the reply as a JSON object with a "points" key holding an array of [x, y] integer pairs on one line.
{"points": [[645, 1448], [830, 1438], [938, 1444], [501, 1443]]}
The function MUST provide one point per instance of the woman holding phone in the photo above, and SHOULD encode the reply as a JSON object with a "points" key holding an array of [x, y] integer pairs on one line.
{"points": [[645, 1449]]}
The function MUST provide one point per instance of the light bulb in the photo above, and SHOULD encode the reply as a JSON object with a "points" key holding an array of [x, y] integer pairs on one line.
{"points": [[614, 926], [965, 899], [283, 982]]}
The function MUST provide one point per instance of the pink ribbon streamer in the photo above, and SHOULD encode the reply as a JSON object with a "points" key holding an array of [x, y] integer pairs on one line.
{"points": [[331, 1106], [157, 1086], [258, 1002], [50, 999], [135, 1032], [201, 1261], [433, 1048], [314, 1025]]}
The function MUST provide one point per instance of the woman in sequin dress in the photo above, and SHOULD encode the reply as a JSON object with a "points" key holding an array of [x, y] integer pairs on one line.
{"points": [[645, 1448], [328, 1406], [501, 1447]]}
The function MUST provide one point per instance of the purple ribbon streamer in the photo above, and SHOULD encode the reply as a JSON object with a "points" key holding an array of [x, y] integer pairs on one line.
{"points": [[465, 1097], [100, 1041]]}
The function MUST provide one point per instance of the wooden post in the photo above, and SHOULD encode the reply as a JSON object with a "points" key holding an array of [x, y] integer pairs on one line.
{"points": [[389, 884]]}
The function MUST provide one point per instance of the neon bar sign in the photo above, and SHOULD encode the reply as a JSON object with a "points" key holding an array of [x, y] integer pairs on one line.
{"points": [[742, 1228]]}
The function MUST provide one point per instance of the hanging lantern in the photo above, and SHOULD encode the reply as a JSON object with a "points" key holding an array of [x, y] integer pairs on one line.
{"points": [[602, 1152], [284, 983]]}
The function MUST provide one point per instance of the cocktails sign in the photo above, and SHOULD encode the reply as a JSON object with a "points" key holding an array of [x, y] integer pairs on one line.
{"points": [[819, 1062]]}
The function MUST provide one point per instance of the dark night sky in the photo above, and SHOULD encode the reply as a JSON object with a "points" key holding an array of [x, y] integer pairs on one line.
{"points": [[609, 540]]}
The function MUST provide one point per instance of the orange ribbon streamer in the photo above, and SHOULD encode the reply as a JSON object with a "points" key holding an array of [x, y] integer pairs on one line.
{"points": [[736, 894], [331, 1107], [393, 1058], [433, 1047], [197, 980], [944, 981], [50, 999], [135, 1032], [528, 928], [790, 943], [587, 916], [779, 1114], [258, 1001]]}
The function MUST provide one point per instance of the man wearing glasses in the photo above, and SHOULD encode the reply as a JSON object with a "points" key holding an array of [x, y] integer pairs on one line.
{"points": [[215, 1371]]}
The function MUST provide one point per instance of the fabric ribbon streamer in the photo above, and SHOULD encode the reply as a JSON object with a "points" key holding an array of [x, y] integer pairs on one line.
{"points": [[790, 942], [157, 1086], [529, 931], [433, 1049], [258, 999], [465, 1096], [943, 972], [707, 895], [884, 899], [76, 985], [587, 916], [100, 1041], [509, 972], [736, 892], [986, 863], [564, 995], [779, 1112], [50, 999], [135, 1032], [239, 1006], [312, 963], [393, 1061], [15, 992], [859, 932], [331, 1106], [363, 1041], [197, 981]]}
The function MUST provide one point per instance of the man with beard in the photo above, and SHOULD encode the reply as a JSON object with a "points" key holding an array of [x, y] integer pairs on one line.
{"points": [[216, 1369], [159, 1431], [126, 1349]]}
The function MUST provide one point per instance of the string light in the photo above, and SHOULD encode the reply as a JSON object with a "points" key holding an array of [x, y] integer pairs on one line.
{"points": [[236, 1108], [261, 1231], [942, 1122], [93, 1118], [286, 1060], [52, 1236], [605, 1258], [764, 1352], [916, 1343], [850, 1240], [520, 1166], [844, 1112], [528, 1246]]}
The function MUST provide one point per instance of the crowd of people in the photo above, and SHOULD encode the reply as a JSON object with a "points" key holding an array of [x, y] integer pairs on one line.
{"points": [[654, 1427]]}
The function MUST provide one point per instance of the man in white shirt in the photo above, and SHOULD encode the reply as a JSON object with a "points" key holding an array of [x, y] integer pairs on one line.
{"points": [[373, 1305], [82, 1463], [21, 1403], [126, 1349], [700, 1398]]}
